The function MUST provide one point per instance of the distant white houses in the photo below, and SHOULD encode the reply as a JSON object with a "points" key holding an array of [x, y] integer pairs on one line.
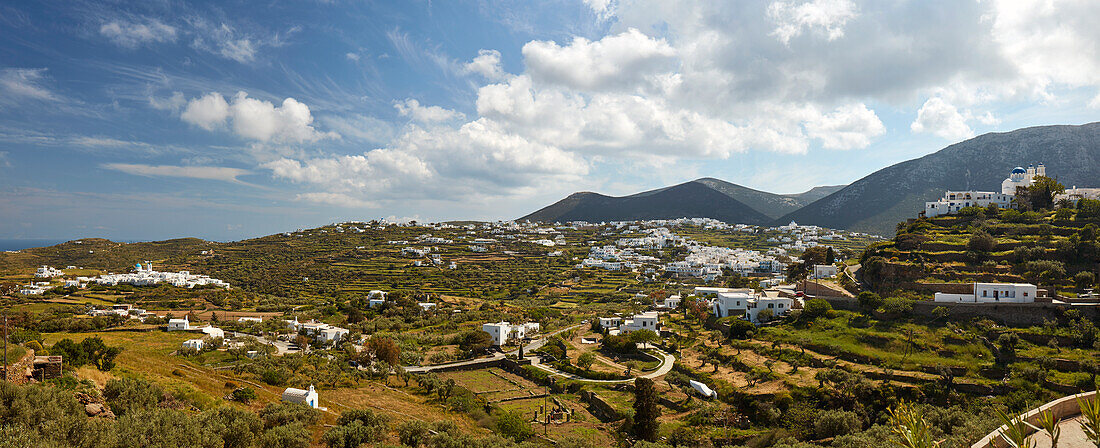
{"points": [[426, 306], [213, 332], [504, 332], [244, 319], [307, 397], [993, 293], [48, 272], [179, 324], [146, 276], [670, 302]]}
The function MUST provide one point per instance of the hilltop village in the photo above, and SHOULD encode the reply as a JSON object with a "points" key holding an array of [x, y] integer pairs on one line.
{"points": [[681, 332]]}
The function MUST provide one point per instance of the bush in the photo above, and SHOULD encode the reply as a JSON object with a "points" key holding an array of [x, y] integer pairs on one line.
{"points": [[981, 241], [130, 394], [816, 308], [244, 395], [869, 301], [836, 423], [284, 413], [513, 426], [897, 306]]}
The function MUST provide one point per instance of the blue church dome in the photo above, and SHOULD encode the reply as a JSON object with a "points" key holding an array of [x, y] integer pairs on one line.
{"points": [[1018, 170]]}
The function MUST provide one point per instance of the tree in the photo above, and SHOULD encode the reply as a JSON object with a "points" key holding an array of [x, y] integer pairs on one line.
{"points": [[815, 308], [237, 428], [284, 413], [585, 360], [130, 394], [381, 349], [1042, 191], [646, 411], [513, 426], [475, 342], [356, 427], [644, 337], [869, 301], [244, 395], [1084, 280], [293, 435], [981, 241], [412, 433], [741, 329]]}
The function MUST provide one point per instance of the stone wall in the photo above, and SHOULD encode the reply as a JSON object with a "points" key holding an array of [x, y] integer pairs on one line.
{"points": [[599, 407], [1012, 314], [19, 371]]}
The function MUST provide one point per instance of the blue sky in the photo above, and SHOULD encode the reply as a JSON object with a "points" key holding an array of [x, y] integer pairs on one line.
{"points": [[225, 120]]}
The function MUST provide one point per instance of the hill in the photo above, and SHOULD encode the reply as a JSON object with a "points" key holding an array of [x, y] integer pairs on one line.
{"points": [[877, 202], [706, 197]]}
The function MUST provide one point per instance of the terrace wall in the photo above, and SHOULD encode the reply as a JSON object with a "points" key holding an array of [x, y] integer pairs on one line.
{"points": [[18, 372], [1013, 314]]}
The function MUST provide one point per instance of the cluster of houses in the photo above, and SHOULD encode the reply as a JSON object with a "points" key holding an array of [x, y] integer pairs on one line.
{"points": [[319, 331], [146, 276], [1019, 177], [121, 309]]}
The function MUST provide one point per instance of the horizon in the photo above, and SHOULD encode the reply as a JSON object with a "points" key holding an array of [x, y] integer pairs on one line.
{"points": [[152, 121]]}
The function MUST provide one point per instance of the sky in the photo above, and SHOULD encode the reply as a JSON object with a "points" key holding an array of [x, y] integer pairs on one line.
{"points": [[228, 119]]}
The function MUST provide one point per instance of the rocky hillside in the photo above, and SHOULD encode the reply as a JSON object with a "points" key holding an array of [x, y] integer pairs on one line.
{"points": [[706, 197], [879, 201]]}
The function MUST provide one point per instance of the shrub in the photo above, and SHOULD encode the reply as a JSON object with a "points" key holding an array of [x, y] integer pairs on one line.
{"points": [[897, 306], [816, 308], [836, 423], [244, 394], [513, 426], [869, 301]]}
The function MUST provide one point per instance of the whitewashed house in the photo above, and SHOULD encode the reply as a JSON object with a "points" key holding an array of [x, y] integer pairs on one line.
{"points": [[778, 306], [993, 293], [648, 320], [179, 324], [731, 304], [213, 332], [306, 397], [193, 344]]}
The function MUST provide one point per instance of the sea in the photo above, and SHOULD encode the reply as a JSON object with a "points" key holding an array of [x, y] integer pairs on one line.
{"points": [[6, 245]]}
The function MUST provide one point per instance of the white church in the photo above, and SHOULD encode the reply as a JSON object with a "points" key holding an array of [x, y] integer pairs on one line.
{"points": [[953, 201]]}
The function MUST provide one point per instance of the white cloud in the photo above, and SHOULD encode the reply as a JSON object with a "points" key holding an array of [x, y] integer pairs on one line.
{"points": [[603, 9], [225, 174], [848, 127], [360, 127], [486, 64], [942, 119], [826, 16], [132, 34], [351, 56], [337, 199], [425, 114], [173, 103], [618, 61], [290, 122], [208, 112], [1095, 103], [229, 42], [4, 162], [25, 83]]}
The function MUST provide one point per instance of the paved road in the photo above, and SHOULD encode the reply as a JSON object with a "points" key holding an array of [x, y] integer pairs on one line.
{"points": [[666, 366], [281, 347], [534, 345]]}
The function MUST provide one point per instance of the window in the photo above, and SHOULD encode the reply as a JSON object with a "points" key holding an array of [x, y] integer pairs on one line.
{"points": [[1025, 294]]}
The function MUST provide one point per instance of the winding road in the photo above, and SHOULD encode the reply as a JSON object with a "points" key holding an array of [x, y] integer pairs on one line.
{"points": [[534, 345], [667, 361]]}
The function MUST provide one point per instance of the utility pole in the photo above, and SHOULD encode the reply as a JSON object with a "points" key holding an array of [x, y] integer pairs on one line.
{"points": [[5, 345]]}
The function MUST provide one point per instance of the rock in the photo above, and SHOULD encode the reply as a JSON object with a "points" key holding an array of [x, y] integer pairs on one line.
{"points": [[98, 410]]}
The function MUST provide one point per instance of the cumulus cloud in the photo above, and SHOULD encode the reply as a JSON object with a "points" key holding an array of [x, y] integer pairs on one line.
{"points": [[132, 34], [251, 118], [221, 173], [618, 61], [486, 64], [848, 127], [208, 112], [826, 16], [425, 114], [942, 119]]}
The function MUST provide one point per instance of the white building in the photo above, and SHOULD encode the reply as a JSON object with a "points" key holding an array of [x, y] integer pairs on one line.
{"points": [[824, 271], [307, 397], [671, 302], [778, 306], [610, 322], [953, 201], [702, 389], [250, 319], [504, 332], [319, 331], [193, 344], [993, 293], [213, 332], [1022, 178], [645, 321], [179, 324], [376, 298], [731, 304]]}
